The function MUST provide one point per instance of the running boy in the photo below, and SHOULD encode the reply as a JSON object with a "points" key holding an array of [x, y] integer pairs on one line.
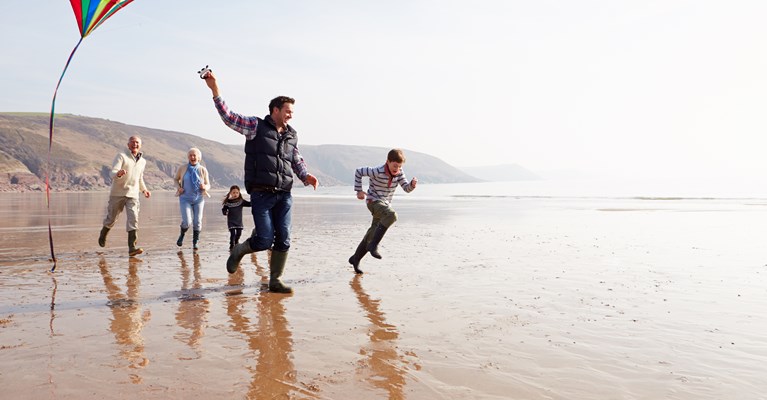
{"points": [[233, 204], [383, 183]]}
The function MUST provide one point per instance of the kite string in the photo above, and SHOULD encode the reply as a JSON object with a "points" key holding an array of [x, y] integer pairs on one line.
{"points": [[50, 144]]}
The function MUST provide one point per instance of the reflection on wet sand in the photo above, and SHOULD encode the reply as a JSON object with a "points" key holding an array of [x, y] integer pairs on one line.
{"points": [[383, 366], [192, 305], [50, 363], [236, 280], [53, 303], [269, 339], [128, 320], [548, 298]]}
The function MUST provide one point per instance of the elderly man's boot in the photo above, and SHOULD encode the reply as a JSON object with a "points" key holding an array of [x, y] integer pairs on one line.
{"points": [[236, 255], [355, 259], [132, 249], [378, 234], [103, 236], [276, 266]]}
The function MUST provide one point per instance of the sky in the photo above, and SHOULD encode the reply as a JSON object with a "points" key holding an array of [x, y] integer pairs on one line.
{"points": [[635, 89]]}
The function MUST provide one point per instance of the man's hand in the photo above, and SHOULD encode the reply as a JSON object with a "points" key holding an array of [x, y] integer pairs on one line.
{"points": [[361, 195], [179, 191], [120, 173], [413, 182], [210, 80], [147, 194], [312, 180]]}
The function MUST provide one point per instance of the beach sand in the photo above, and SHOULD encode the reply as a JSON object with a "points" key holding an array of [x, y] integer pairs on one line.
{"points": [[475, 298]]}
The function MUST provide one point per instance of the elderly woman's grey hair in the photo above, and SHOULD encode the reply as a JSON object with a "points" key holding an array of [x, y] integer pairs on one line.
{"points": [[196, 151]]}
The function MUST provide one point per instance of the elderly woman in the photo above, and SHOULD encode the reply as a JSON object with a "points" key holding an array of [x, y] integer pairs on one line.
{"points": [[193, 184]]}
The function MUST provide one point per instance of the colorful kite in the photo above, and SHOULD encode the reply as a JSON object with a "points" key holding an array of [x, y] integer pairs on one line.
{"points": [[90, 15]]}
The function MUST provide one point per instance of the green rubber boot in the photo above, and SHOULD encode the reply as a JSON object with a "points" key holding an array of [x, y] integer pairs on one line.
{"points": [[180, 241], [132, 249], [378, 234], [236, 255], [103, 236], [276, 266], [355, 259], [195, 240]]}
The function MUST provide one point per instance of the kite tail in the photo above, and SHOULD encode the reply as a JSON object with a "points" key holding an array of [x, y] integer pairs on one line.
{"points": [[50, 144]]}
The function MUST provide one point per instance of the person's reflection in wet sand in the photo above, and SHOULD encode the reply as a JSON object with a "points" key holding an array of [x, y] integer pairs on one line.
{"points": [[128, 320], [192, 306], [236, 280], [383, 367], [269, 338]]}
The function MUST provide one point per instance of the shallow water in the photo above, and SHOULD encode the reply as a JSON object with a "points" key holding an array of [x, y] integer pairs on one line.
{"points": [[476, 297]]}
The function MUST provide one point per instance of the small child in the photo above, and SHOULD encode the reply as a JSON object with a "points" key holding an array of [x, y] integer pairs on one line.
{"points": [[383, 183], [233, 204]]}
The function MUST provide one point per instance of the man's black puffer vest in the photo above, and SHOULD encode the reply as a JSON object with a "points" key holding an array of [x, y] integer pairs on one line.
{"points": [[269, 157]]}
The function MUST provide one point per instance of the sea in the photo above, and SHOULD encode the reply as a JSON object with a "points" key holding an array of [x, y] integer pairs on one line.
{"points": [[617, 193]]}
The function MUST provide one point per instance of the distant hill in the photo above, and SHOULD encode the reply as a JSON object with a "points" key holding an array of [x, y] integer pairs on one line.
{"points": [[340, 161], [501, 173], [83, 148]]}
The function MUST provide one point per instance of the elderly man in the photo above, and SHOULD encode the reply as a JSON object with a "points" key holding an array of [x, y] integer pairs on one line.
{"points": [[127, 182]]}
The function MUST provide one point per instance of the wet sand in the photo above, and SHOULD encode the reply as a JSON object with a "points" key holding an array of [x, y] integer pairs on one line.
{"points": [[476, 298]]}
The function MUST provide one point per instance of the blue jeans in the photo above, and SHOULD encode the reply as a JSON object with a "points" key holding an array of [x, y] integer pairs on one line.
{"points": [[191, 212], [271, 215]]}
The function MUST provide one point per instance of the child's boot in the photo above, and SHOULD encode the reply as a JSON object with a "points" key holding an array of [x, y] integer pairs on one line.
{"points": [[234, 238], [195, 239], [180, 241], [378, 234], [132, 249], [355, 259]]}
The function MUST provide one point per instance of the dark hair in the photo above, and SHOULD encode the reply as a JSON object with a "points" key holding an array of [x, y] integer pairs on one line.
{"points": [[280, 101], [396, 155], [230, 191]]}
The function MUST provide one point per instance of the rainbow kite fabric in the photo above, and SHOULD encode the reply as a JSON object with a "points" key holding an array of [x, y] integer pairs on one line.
{"points": [[90, 15]]}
